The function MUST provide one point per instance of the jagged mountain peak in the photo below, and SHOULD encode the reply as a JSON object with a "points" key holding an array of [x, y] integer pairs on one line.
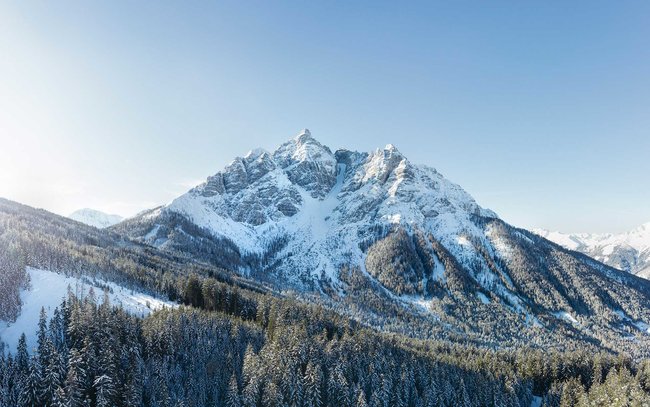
{"points": [[643, 229], [303, 135], [390, 147], [327, 203], [307, 164], [304, 164], [301, 148], [382, 163]]}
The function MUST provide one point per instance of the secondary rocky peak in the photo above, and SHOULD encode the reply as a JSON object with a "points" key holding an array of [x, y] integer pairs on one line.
{"points": [[95, 218], [628, 251], [256, 153], [382, 163]]}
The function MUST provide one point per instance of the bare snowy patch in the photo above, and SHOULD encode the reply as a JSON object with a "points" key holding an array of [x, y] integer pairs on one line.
{"points": [[566, 317], [48, 289]]}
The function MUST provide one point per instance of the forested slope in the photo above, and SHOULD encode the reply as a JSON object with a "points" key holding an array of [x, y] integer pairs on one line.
{"points": [[237, 343]]}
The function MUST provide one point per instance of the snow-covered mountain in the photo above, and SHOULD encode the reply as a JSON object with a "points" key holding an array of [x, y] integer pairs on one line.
{"points": [[628, 251], [95, 218], [374, 234], [323, 207]]}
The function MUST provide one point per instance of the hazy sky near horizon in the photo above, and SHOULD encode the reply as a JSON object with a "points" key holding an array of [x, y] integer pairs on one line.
{"points": [[540, 110]]}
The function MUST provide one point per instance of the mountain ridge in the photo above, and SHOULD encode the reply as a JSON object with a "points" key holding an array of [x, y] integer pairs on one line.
{"points": [[93, 217], [628, 251]]}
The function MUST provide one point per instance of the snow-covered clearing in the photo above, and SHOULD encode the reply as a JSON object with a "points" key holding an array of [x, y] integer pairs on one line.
{"points": [[48, 289], [484, 299], [640, 325], [566, 316]]}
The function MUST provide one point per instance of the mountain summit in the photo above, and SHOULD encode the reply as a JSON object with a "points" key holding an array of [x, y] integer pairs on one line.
{"points": [[384, 238]]}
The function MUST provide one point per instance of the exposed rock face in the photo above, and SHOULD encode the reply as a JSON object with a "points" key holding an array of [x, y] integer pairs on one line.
{"points": [[308, 164], [263, 186]]}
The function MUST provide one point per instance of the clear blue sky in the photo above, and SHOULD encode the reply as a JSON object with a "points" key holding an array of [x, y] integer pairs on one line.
{"points": [[541, 110]]}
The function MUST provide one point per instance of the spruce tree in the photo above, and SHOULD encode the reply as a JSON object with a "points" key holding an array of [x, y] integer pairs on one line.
{"points": [[105, 389], [232, 396], [30, 386], [75, 379], [59, 398], [22, 356], [313, 382]]}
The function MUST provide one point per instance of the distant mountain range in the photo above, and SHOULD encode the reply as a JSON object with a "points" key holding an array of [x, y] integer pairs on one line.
{"points": [[95, 218], [628, 251]]}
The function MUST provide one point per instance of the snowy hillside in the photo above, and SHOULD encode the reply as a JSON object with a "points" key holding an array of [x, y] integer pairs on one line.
{"points": [[95, 218], [628, 251], [48, 289]]}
